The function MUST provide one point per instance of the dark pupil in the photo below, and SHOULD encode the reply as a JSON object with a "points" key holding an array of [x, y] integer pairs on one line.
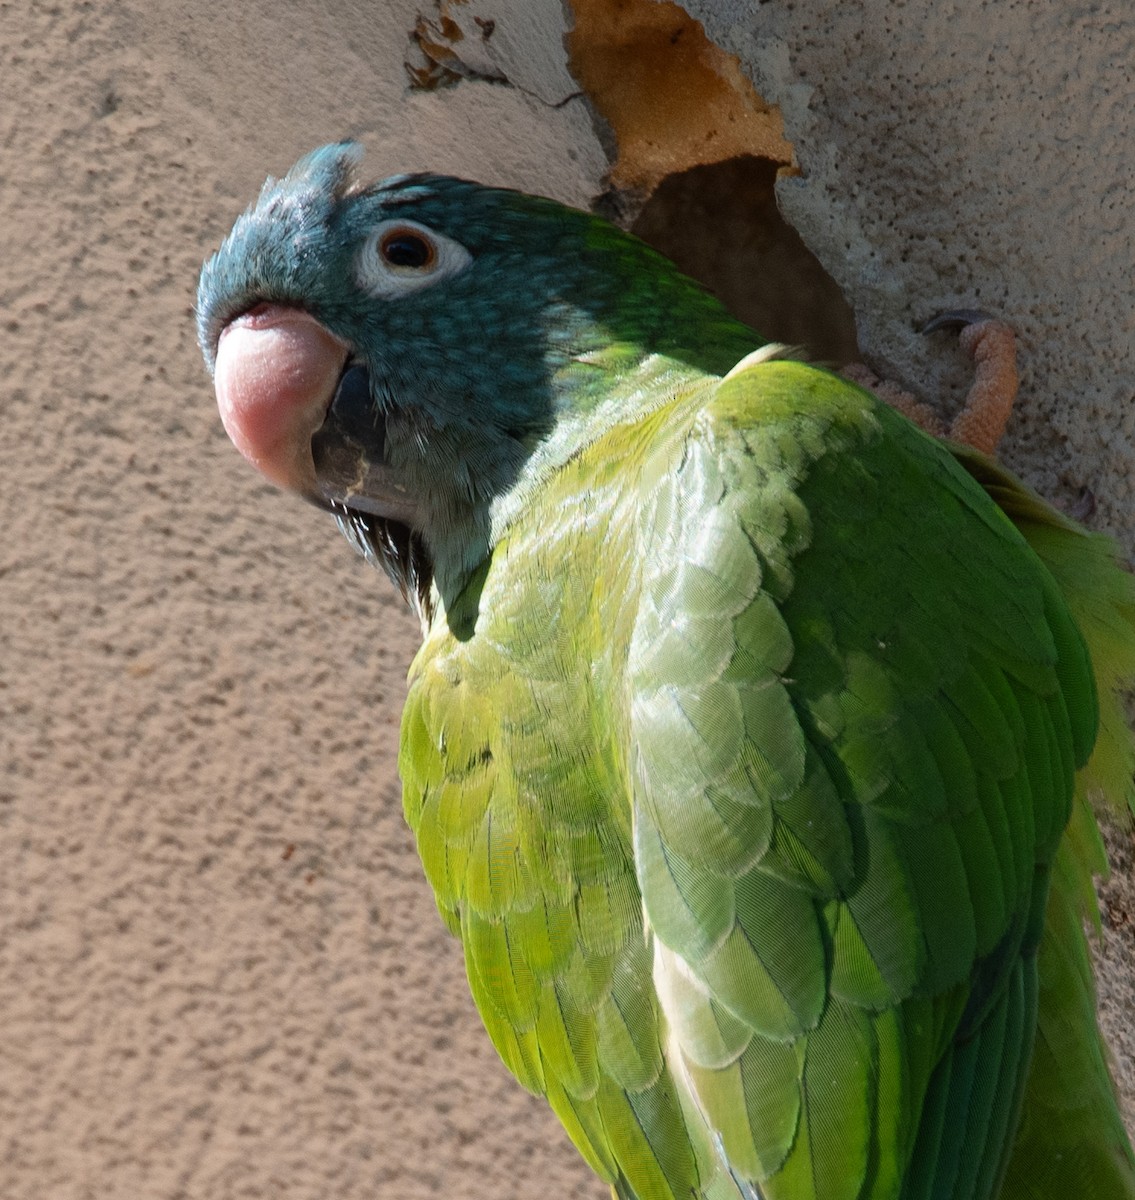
{"points": [[406, 250]]}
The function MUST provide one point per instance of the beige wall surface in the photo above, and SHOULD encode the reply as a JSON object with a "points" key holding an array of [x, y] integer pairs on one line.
{"points": [[221, 973]]}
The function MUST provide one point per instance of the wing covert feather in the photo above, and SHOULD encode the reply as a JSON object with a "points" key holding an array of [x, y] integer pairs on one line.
{"points": [[824, 747], [838, 631]]}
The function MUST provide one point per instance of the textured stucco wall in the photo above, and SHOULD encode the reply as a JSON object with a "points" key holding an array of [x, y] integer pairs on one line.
{"points": [[980, 155], [221, 974]]}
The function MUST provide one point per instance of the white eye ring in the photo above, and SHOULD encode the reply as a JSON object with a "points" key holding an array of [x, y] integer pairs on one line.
{"points": [[402, 257]]}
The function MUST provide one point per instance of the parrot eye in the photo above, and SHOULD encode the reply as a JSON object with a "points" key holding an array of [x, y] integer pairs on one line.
{"points": [[407, 248], [402, 257]]}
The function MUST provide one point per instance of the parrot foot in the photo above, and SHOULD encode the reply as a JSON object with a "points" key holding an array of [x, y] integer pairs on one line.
{"points": [[897, 398], [993, 347], [991, 344]]}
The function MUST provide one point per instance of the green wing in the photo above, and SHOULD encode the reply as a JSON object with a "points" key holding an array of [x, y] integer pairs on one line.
{"points": [[836, 758], [857, 705], [515, 783], [1071, 1140]]}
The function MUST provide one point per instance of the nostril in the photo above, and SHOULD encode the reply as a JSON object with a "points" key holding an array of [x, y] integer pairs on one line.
{"points": [[257, 310], [264, 315]]}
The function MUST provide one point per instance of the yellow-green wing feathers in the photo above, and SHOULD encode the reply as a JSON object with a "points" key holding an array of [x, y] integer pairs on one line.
{"points": [[514, 768], [741, 771]]}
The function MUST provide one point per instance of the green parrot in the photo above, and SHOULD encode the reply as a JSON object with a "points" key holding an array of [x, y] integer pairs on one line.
{"points": [[752, 743]]}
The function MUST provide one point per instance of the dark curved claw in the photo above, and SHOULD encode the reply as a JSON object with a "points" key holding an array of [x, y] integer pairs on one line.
{"points": [[1083, 506], [956, 319]]}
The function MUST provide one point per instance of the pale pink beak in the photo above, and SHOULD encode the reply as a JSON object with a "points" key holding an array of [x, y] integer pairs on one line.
{"points": [[276, 373]]}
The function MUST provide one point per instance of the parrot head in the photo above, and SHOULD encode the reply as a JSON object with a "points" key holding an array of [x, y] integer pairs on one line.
{"points": [[402, 353]]}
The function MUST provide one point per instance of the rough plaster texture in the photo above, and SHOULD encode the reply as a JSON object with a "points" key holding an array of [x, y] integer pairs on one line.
{"points": [[221, 974], [673, 98], [977, 155]]}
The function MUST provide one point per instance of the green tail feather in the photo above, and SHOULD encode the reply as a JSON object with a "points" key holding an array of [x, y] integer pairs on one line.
{"points": [[1072, 1140], [975, 1088]]}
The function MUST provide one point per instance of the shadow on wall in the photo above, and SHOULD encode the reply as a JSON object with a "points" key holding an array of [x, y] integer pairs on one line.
{"points": [[720, 223]]}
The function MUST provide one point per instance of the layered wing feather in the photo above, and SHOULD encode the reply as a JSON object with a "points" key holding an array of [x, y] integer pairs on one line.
{"points": [[1071, 1140], [514, 768], [858, 702], [770, 663]]}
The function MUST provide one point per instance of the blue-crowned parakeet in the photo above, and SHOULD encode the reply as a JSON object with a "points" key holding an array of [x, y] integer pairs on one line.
{"points": [[750, 747]]}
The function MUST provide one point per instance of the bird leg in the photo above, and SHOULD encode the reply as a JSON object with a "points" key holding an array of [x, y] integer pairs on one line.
{"points": [[898, 398], [981, 423]]}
